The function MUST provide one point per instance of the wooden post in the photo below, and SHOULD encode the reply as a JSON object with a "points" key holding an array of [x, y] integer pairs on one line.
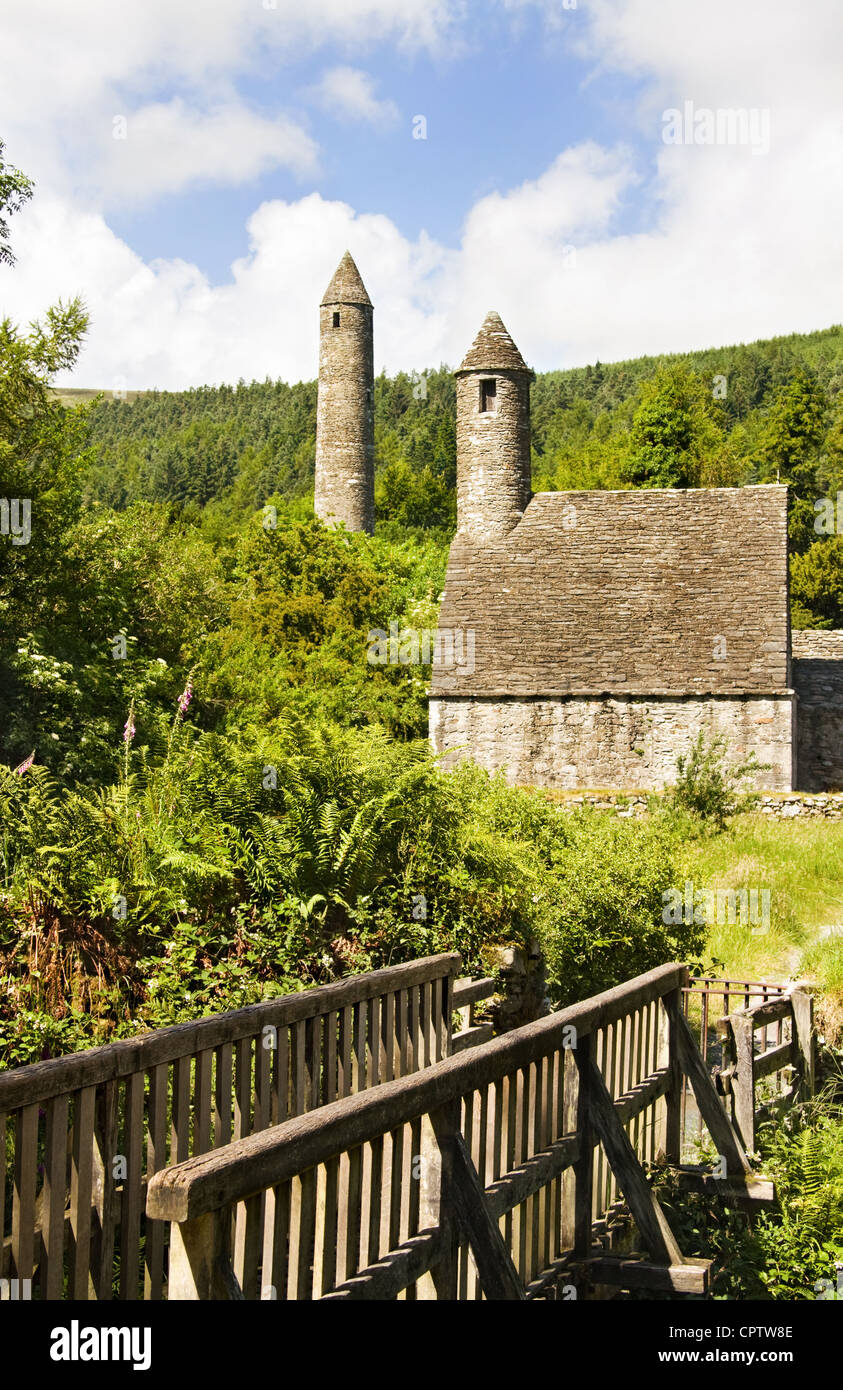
{"points": [[670, 1124], [578, 1233], [743, 1032], [803, 1041], [200, 1251]]}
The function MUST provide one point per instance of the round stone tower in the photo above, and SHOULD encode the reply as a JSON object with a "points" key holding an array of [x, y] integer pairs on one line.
{"points": [[493, 435], [345, 416]]}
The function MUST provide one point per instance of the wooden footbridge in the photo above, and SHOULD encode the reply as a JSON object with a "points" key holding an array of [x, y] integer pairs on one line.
{"points": [[346, 1143]]}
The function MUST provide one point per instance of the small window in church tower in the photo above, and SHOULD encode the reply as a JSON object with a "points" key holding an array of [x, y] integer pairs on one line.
{"points": [[336, 320], [488, 394]]}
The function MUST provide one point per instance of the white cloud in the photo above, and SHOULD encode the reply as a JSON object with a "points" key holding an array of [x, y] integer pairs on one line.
{"points": [[350, 92], [66, 70], [166, 147], [738, 246]]}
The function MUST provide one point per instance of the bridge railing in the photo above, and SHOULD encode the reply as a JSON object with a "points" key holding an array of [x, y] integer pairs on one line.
{"points": [[510, 1150], [82, 1135], [774, 1038], [707, 1001]]}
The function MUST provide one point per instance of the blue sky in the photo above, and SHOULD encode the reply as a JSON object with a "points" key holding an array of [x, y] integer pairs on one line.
{"points": [[498, 111], [201, 167]]}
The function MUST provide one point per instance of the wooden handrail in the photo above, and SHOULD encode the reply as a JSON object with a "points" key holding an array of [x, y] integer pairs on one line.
{"points": [[42, 1080], [240, 1170]]}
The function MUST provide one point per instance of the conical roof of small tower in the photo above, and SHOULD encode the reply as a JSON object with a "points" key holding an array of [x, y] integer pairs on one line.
{"points": [[346, 286], [493, 350]]}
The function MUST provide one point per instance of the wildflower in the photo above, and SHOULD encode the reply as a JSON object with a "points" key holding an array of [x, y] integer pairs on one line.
{"points": [[185, 697], [129, 729], [25, 765]]}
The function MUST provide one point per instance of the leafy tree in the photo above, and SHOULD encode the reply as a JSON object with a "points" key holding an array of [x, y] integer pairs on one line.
{"points": [[15, 190], [789, 450], [816, 585], [674, 427]]}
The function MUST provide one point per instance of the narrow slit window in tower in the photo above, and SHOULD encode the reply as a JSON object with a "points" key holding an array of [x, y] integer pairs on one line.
{"points": [[336, 319], [488, 395]]}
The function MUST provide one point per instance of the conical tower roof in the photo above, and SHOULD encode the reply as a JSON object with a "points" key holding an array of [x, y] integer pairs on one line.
{"points": [[493, 350], [346, 286]]}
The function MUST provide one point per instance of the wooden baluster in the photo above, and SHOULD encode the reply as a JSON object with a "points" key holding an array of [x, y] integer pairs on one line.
{"points": [[132, 1199], [202, 1102], [81, 1176], [55, 1194], [155, 1161], [23, 1193], [223, 1094]]}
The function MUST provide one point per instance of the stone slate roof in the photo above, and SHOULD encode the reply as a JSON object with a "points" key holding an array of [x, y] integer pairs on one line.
{"points": [[633, 592], [493, 350], [346, 286]]}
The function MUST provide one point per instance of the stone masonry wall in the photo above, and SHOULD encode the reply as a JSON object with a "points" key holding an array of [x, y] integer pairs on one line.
{"points": [[612, 742], [345, 418], [818, 682], [493, 451]]}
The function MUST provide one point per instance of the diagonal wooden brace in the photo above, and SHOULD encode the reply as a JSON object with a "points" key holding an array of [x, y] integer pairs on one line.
{"points": [[720, 1127], [464, 1193], [646, 1212]]}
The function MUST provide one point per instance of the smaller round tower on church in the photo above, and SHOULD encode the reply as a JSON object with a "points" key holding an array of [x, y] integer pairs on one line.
{"points": [[493, 435], [345, 414]]}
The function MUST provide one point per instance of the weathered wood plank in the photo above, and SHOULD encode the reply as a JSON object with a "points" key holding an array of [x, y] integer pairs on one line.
{"points": [[132, 1196], [180, 1119], [802, 1004], [81, 1175], [774, 1059], [61, 1075], [726, 1139], [270, 1157], [202, 1102], [156, 1159], [23, 1192], [464, 1195], [55, 1194], [105, 1194], [743, 1080], [467, 991], [396, 1271], [746, 1191], [223, 1083], [648, 1215], [690, 1276]]}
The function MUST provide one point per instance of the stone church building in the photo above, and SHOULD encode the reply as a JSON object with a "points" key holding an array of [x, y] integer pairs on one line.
{"points": [[605, 628]]}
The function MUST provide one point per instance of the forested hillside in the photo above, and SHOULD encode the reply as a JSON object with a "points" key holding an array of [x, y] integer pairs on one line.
{"points": [[763, 412]]}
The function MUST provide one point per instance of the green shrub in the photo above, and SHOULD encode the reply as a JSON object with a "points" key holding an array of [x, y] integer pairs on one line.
{"points": [[707, 785]]}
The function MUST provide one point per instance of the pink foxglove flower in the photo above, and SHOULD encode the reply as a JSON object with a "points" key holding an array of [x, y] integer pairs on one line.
{"points": [[25, 765], [129, 730], [185, 697]]}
